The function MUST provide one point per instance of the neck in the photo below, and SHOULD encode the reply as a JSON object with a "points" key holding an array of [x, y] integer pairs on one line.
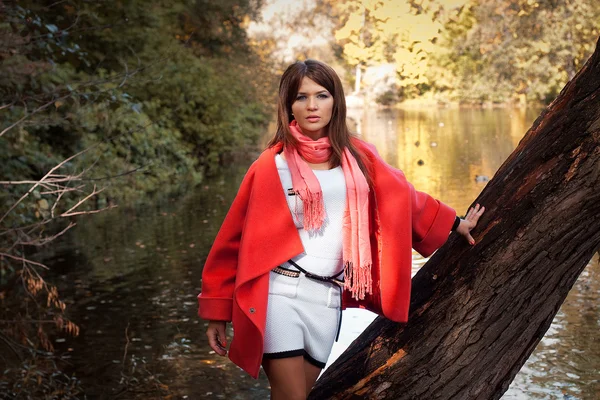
{"points": [[314, 135]]}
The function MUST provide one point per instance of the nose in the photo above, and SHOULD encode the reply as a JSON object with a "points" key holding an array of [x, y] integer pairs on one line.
{"points": [[312, 103]]}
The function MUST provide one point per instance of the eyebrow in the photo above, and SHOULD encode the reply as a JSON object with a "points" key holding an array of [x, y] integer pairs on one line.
{"points": [[320, 91]]}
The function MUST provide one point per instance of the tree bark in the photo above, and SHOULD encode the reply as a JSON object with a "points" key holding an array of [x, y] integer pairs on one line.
{"points": [[477, 313]]}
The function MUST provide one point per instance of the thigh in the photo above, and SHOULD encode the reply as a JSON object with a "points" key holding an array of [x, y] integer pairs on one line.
{"points": [[286, 377], [311, 373]]}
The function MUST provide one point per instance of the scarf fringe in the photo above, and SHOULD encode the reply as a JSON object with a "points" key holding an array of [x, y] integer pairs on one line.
{"points": [[358, 280], [314, 210]]}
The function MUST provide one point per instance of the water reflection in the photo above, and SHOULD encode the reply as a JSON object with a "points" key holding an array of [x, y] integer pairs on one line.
{"points": [[442, 151], [131, 277], [450, 154], [566, 362]]}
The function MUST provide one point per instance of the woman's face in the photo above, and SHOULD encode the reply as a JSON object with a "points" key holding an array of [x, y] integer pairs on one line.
{"points": [[312, 108]]}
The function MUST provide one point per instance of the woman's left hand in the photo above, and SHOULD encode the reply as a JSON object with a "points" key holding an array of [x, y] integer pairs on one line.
{"points": [[470, 221]]}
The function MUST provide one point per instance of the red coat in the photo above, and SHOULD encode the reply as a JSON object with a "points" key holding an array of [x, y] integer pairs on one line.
{"points": [[259, 234]]}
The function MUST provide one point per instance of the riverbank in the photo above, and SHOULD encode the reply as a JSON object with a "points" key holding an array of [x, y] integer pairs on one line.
{"points": [[130, 276]]}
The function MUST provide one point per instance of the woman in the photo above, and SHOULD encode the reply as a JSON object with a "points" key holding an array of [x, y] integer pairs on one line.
{"points": [[320, 223]]}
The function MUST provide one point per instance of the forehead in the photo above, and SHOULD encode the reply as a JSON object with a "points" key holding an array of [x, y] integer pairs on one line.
{"points": [[307, 85]]}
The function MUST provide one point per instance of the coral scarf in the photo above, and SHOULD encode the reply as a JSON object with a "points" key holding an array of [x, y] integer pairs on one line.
{"points": [[356, 242]]}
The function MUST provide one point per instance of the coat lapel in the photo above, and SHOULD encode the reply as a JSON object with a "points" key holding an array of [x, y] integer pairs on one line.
{"points": [[270, 235]]}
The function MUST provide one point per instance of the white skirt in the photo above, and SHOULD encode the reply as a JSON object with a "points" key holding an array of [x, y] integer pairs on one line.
{"points": [[302, 318]]}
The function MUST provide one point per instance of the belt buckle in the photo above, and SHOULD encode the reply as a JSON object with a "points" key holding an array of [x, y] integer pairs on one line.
{"points": [[285, 272]]}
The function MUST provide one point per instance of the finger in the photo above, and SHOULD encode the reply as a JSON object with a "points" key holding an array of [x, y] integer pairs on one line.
{"points": [[478, 214], [222, 337], [218, 348], [473, 211], [470, 239], [214, 343], [468, 216]]}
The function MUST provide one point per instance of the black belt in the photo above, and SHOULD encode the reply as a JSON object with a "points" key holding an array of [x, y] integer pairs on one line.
{"points": [[331, 279]]}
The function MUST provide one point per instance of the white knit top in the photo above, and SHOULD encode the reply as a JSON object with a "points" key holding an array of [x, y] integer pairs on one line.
{"points": [[323, 248]]}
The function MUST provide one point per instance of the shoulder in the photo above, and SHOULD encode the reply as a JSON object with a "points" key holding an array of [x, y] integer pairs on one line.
{"points": [[266, 158], [369, 149], [377, 162]]}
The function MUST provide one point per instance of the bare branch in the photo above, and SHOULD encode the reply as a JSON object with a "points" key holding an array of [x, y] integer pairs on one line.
{"points": [[42, 242], [52, 182], [125, 75], [40, 321], [45, 176], [24, 260], [22, 228], [63, 190], [126, 344], [118, 175], [28, 115], [60, 195], [10, 343], [89, 212], [55, 4], [94, 192]]}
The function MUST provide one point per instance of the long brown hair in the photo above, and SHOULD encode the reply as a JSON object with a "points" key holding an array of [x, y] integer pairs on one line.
{"points": [[337, 129]]}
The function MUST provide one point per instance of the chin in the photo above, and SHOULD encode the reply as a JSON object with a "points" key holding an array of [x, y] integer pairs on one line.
{"points": [[312, 127]]}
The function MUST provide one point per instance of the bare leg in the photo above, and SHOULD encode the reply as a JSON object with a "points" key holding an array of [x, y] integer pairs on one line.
{"points": [[311, 373], [286, 376]]}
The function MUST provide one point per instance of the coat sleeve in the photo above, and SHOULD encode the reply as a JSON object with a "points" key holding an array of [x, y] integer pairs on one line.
{"points": [[215, 300], [432, 221]]}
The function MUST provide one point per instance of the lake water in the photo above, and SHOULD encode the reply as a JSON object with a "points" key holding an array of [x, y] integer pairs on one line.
{"points": [[131, 277]]}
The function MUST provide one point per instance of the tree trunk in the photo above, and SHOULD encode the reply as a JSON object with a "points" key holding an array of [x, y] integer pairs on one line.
{"points": [[357, 79], [477, 313]]}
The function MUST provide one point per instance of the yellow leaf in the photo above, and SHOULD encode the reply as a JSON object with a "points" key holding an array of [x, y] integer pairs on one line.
{"points": [[43, 204]]}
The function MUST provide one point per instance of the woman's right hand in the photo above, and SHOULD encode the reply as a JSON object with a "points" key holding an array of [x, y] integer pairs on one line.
{"points": [[216, 336]]}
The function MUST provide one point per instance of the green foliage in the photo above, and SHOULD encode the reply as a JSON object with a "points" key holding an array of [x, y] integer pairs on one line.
{"points": [[150, 96], [162, 86], [211, 119]]}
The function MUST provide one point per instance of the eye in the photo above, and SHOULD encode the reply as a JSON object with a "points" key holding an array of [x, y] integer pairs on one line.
{"points": [[323, 96], [300, 97]]}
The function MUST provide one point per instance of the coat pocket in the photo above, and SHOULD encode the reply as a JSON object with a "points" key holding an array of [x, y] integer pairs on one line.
{"points": [[333, 297], [283, 285]]}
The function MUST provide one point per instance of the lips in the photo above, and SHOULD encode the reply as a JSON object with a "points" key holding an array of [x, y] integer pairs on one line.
{"points": [[313, 118]]}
